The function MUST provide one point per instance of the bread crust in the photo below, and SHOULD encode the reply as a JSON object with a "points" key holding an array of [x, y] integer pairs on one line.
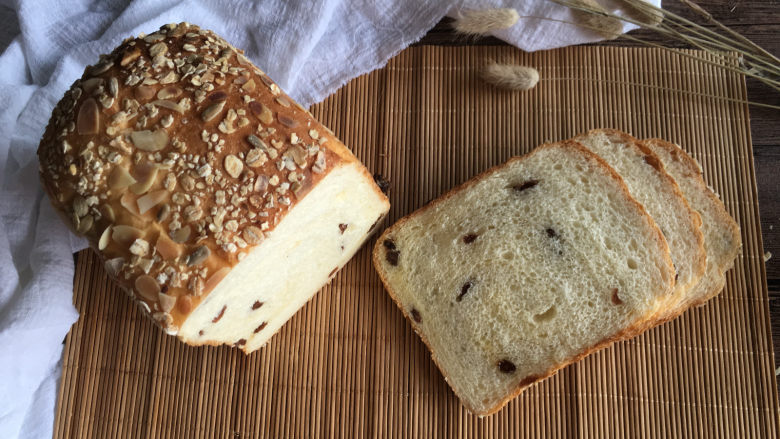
{"points": [[724, 220], [622, 335], [667, 307], [174, 155]]}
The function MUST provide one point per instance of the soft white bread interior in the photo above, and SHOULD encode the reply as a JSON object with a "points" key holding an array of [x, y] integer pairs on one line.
{"points": [[305, 251], [218, 203], [660, 195], [524, 269], [722, 239]]}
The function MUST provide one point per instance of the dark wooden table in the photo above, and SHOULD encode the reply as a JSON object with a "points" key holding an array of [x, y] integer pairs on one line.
{"points": [[759, 21]]}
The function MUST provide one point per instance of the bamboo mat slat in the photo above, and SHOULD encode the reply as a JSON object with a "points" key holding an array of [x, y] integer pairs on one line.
{"points": [[348, 365]]}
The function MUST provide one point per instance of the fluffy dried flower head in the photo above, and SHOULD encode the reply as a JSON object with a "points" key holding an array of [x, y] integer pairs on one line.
{"points": [[485, 21], [606, 26], [511, 77]]}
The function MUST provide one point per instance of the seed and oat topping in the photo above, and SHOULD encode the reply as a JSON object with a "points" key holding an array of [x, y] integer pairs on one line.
{"points": [[173, 155]]}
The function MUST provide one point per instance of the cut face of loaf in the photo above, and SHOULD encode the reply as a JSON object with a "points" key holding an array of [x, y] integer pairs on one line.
{"points": [[524, 269], [722, 240], [279, 276], [651, 185], [219, 204]]}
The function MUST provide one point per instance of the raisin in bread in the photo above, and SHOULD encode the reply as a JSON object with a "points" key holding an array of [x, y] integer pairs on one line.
{"points": [[658, 192], [219, 204], [722, 239], [524, 269]]}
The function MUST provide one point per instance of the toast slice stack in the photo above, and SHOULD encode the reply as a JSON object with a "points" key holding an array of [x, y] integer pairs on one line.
{"points": [[538, 262]]}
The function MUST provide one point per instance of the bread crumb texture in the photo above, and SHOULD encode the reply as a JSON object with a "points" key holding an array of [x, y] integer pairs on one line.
{"points": [[524, 269]]}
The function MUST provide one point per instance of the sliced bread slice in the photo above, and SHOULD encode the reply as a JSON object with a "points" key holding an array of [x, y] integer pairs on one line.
{"points": [[722, 239], [524, 269], [660, 195]]}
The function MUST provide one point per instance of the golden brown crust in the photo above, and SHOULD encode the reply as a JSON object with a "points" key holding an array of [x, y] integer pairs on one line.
{"points": [[668, 306], [174, 155], [693, 170], [522, 385], [653, 160]]}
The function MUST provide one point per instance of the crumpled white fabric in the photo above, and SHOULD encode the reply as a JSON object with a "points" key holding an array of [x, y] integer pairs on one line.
{"points": [[309, 47]]}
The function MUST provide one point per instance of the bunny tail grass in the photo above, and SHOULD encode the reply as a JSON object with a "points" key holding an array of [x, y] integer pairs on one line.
{"points": [[485, 21], [510, 77]]}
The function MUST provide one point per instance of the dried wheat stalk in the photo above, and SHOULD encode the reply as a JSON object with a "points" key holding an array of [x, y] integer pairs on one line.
{"points": [[594, 17], [736, 52]]}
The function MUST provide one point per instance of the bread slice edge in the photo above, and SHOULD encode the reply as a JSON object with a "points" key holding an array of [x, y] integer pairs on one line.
{"points": [[667, 306], [725, 219]]}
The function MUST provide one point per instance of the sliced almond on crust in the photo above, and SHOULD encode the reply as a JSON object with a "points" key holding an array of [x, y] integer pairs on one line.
{"points": [[120, 179], [147, 287], [125, 235], [167, 249], [88, 119], [150, 200], [147, 174], [128, 202], [149, 141], [166, 302], [105, 238]]}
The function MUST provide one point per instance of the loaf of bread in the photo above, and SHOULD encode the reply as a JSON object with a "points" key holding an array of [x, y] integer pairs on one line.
{"points": [[650, 184], [524, 269], [722, 239], [219, 204]]}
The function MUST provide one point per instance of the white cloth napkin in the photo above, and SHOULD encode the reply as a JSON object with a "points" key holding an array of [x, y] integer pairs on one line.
{"points": [[309, 47]]}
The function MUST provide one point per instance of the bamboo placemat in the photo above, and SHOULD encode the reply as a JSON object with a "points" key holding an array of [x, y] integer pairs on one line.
{"points": [[348, 364]]}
